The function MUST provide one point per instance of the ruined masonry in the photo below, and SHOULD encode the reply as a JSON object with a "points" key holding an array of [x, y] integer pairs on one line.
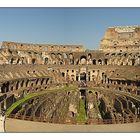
{"points": [[79, 85]]}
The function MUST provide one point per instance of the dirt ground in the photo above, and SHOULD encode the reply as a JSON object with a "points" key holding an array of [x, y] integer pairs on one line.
{"points": [[14, 125]]}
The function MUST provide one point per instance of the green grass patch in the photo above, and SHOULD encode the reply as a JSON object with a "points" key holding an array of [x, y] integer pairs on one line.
{"points": [[81, 117], [32, 95]]}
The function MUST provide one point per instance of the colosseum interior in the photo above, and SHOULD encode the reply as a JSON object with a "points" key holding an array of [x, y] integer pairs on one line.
{"points": [[68, 84]]}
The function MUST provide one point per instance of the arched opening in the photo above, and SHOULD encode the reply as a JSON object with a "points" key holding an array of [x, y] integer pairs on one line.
{"points": [[42, 81], [47, 81], [12, 88], [5, 87], [72, 77], [32, 84], [106, 61], [94, 61], [61, 62], [63, 74], [133, 62], [100, 62], [120, 88], [18, 61], [33, 61], [37, 81], [46, 60], [83, 93], [77, 76], [22, 83], [83, 76], [71, 56], [83, 59], [17, 85], [27, 83], [90, 92], [89, 56], [12, 61], [73, 114]]}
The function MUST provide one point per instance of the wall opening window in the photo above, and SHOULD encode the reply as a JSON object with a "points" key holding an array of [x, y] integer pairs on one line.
{"points": [[63, 74], [94, 62], [33, 61]]}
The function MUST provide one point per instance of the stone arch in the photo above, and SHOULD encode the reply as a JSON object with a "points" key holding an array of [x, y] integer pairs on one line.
{"points": [[5, 87], [22, 83], [89, 56], [18, 61], [71, 56], [33, 61], [27, 83], [83, 59], [32, 84], [105, 61], [59, 55], [17, 85], [73, 114], [90, 92], [37, 81], [61, 62], [47, 79], [100, 61], [12, 61], [42, 81], [83, 76], [133, 62], [46, 60], [63, 74], [72, 77]]}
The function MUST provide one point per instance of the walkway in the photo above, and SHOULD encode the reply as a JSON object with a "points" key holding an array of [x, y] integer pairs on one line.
{"points": [[14, 125]]}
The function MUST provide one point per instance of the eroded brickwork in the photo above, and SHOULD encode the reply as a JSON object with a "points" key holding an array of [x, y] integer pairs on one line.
{"points": [[106, 81]]}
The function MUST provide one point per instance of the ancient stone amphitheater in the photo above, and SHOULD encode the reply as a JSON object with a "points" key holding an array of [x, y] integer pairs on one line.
{"points": [[70, 84]]}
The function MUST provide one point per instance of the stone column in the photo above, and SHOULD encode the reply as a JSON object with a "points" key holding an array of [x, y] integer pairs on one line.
{"points": [[79, 77]]}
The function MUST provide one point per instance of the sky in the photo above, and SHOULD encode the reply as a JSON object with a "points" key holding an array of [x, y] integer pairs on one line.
{"points": [[82, 26]]}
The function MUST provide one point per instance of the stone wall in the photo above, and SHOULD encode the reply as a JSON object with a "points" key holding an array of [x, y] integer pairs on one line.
{"points": [[121, 39]]}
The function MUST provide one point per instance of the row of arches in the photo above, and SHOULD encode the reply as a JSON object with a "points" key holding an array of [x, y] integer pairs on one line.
{"points": [[75, 59], [22, 60], [85, 60], [11, 86]]}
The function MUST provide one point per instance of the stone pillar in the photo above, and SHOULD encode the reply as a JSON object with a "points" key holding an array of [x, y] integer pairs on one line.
{"points": [[5, 107], [65, 75], [79, 77], [87, 77]]}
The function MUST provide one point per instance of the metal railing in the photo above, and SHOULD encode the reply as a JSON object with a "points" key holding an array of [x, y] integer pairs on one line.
{"points": [[73, 121]]}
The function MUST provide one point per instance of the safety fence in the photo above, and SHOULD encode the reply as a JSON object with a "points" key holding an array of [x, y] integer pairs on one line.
{"points": [[73, 121]]}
